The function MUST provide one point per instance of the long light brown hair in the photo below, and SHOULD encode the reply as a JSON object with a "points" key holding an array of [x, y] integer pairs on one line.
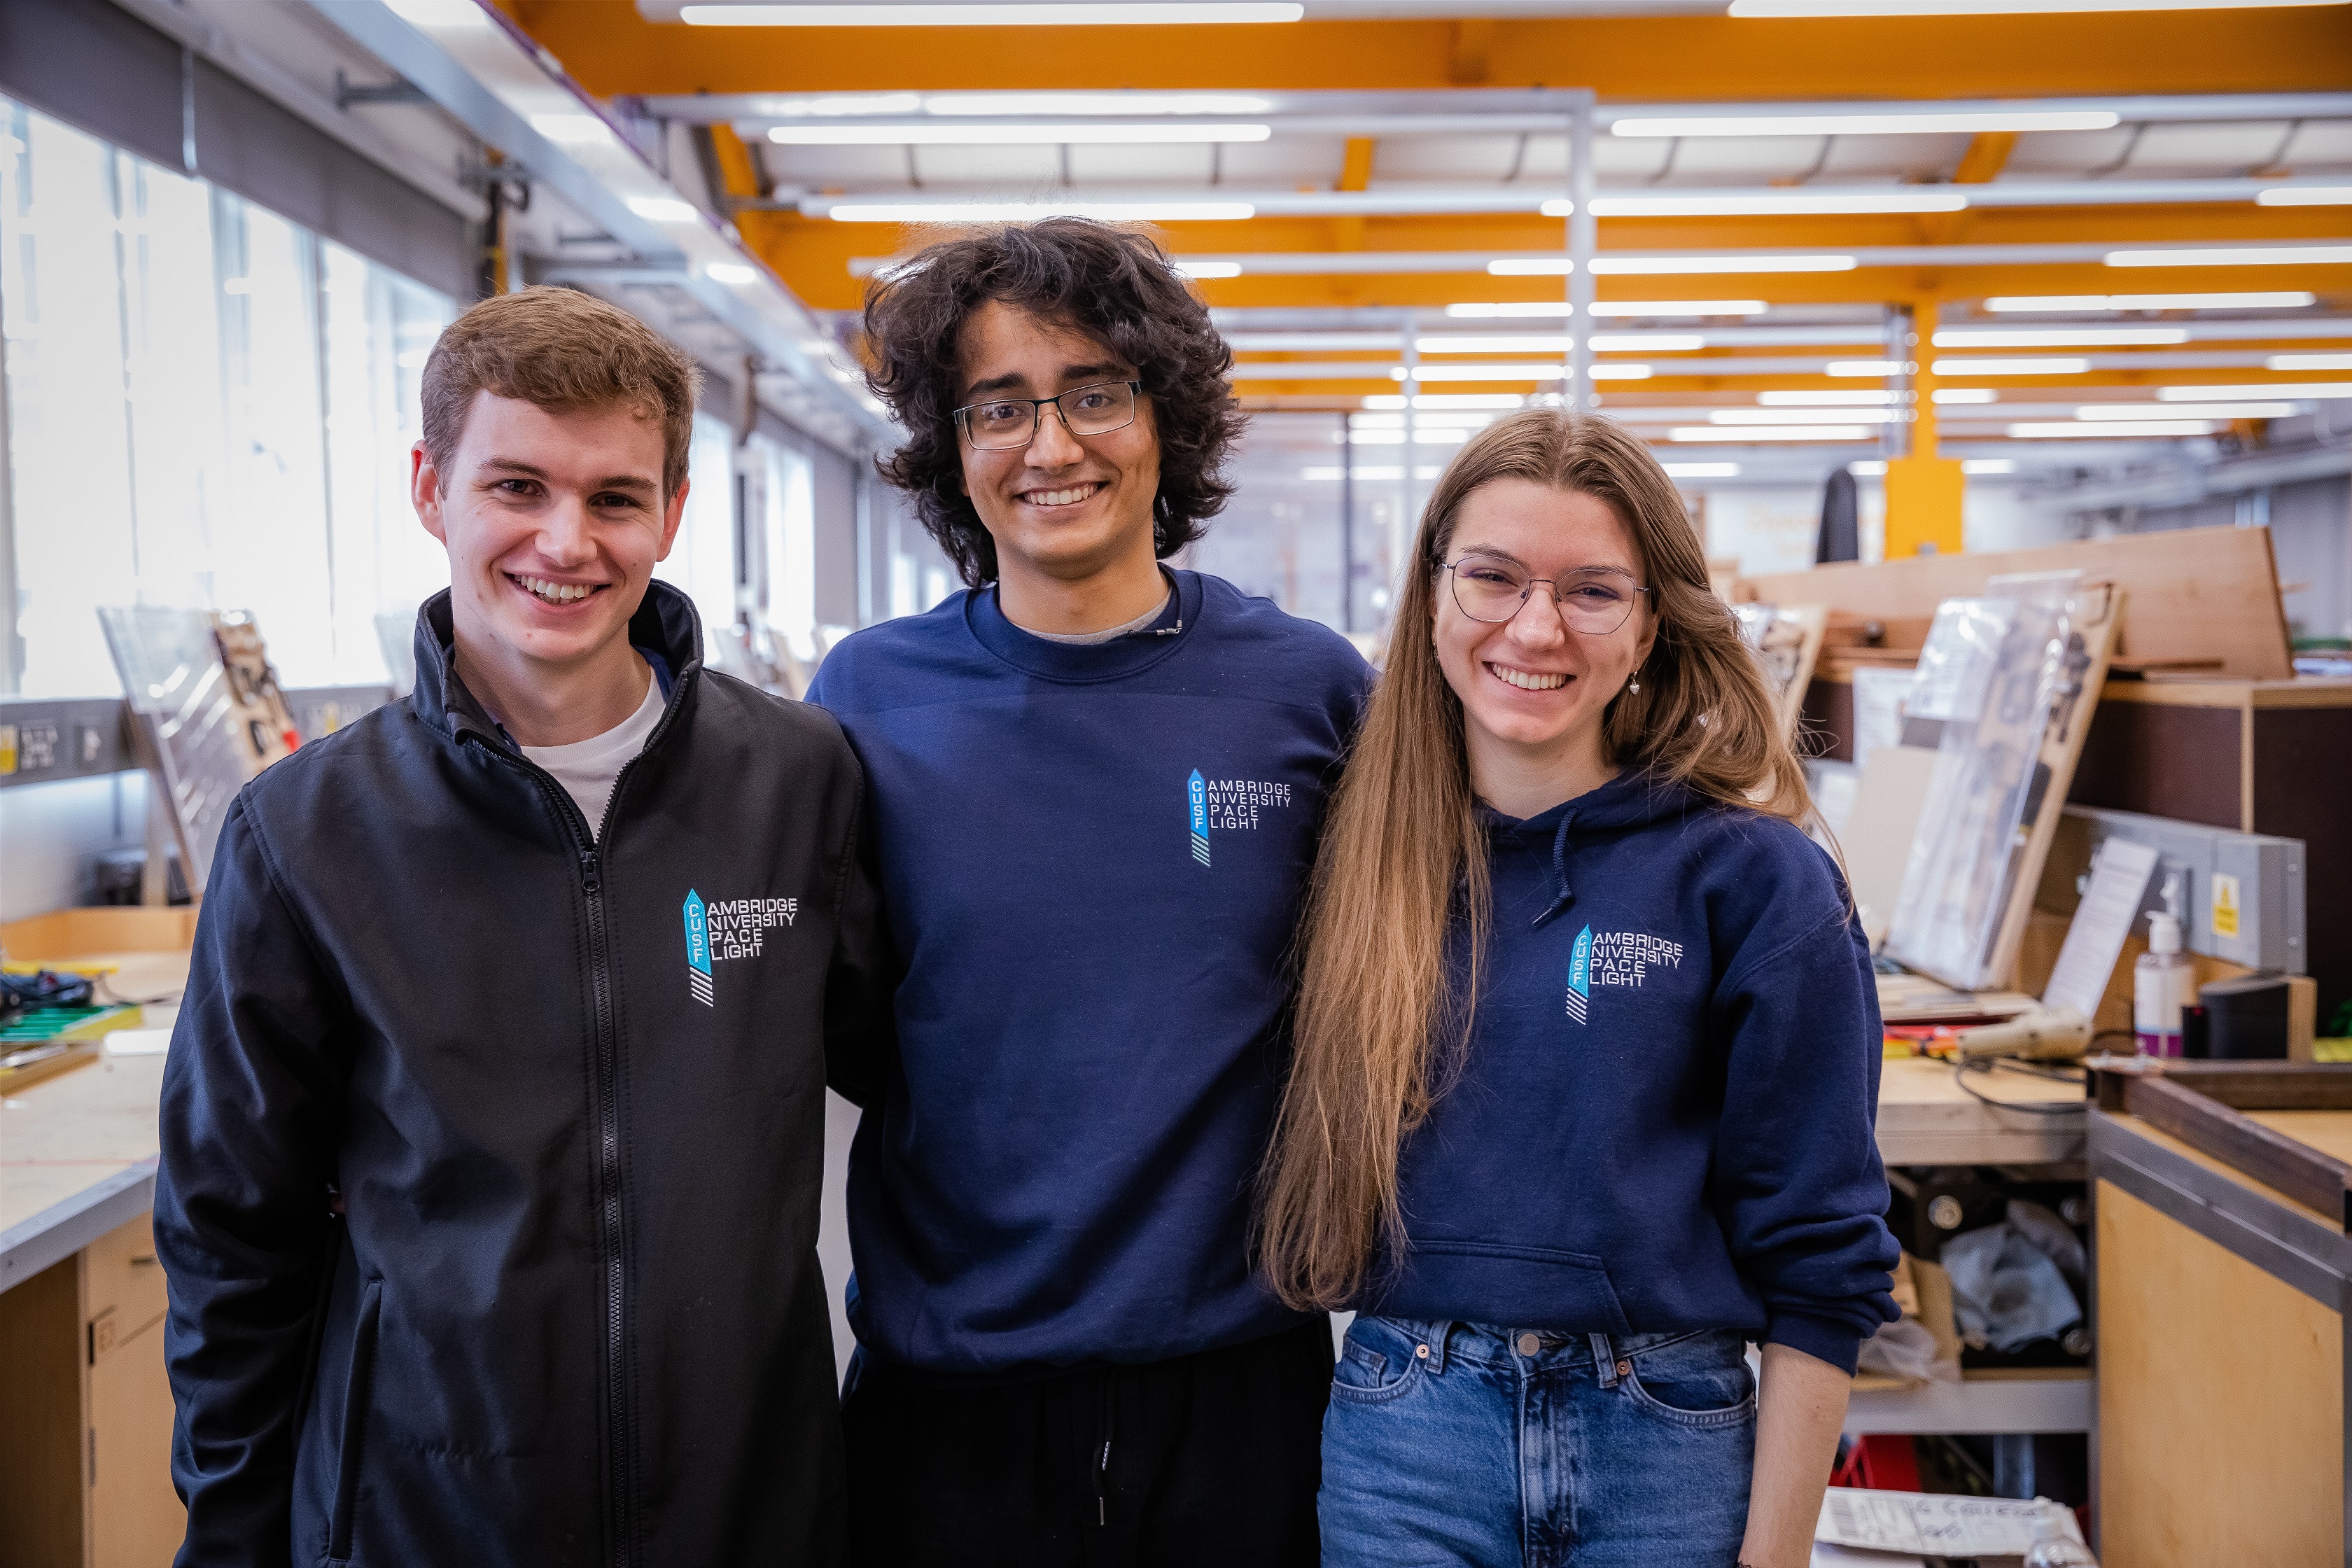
{"points": [[1402, 872]]}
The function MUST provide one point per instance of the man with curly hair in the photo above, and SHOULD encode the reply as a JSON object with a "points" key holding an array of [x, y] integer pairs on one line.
{"points": [[1097, 782]]}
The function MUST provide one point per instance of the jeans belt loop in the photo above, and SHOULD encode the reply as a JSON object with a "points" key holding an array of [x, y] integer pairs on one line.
{"points": [[1605, 1359], [1434, 1336]]}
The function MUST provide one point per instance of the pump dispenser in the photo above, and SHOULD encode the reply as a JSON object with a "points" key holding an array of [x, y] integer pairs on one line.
{"points": [[2161, 983]]}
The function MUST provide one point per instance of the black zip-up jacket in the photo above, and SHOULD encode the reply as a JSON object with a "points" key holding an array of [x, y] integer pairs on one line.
{"points": [[491, 1149]]}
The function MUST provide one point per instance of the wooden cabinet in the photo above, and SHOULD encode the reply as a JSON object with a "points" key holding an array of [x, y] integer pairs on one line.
{"points": [[86, 1412]]}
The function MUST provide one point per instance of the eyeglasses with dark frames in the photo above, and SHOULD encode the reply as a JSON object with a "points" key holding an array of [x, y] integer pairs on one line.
{"points": [[1009, 424], [1592, 600]]}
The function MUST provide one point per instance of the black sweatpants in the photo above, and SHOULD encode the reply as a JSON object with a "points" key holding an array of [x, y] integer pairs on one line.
{"points": [[1208, 1458]]}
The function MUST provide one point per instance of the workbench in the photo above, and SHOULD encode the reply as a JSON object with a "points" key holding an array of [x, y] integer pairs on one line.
{"points": [[2221, 1303], [84, 1406]]}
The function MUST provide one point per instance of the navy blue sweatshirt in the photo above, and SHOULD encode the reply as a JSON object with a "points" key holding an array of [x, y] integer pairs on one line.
{"points": [[1663, 1117], [1093, 858]]}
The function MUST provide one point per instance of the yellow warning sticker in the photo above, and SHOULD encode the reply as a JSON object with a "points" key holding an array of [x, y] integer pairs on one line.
{"points": [[2225, 905]]}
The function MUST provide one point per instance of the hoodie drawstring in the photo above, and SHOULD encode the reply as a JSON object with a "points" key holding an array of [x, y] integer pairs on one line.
{"points": [[1559, 868]]}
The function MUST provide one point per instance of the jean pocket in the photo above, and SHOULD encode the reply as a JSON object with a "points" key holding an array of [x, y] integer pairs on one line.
{"points": [[1380, 1361], [1698, 1380]]}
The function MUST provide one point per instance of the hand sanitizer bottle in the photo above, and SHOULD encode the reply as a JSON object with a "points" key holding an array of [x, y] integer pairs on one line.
{"points": [[2161, 983]]}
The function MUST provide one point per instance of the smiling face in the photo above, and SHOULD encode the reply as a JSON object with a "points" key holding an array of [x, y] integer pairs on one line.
{"points": [[1061, 506], [1533, 691], [553, 522]]}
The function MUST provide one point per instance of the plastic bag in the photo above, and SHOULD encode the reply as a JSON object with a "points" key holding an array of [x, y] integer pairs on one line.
{"points": [[2006, 1291], [1906, 1349]]}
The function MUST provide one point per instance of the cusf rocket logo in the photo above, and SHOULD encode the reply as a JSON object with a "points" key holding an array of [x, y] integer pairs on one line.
{"points": [[1196, 798], [698, 950], [728, 931], [1580, 977]]}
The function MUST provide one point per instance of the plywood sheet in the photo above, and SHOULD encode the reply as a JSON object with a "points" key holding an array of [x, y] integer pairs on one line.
{"points": [[2221, 1403], [2195, 594]]}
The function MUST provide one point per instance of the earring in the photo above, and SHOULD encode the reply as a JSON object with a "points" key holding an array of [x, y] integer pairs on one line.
{"points": [[1634, 685]]}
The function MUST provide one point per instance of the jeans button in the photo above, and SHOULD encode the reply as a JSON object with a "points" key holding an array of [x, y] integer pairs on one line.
{"points": [[1421, 1351], [1624, 1369], [1529, 1344]]}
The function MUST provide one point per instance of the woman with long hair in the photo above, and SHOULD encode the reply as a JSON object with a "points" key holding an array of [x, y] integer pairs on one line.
{"points": [[1587, 1055]]}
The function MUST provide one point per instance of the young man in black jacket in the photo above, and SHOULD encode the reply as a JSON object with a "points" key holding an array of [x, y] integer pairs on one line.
{"points": [[493, 1124]]}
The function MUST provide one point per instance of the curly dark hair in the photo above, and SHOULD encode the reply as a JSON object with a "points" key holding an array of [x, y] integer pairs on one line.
{"points": [[1114, 285]]}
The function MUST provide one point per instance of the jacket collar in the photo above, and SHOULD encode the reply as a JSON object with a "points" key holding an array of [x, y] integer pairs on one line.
{"points": [[665, 622]]}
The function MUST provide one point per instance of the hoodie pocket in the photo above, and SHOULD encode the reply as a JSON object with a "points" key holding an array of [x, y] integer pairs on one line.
{"points": [[357, 1395]]}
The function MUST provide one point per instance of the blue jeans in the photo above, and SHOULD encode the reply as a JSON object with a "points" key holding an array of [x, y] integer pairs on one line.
{"points": [[1459, 1443]]}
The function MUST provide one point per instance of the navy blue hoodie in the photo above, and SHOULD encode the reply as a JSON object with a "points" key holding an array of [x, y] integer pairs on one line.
{"points": [[1662, 1119], [1092, 859]]}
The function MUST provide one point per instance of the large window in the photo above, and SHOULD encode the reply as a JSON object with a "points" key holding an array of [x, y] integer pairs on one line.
{"points": [[206, 405]]}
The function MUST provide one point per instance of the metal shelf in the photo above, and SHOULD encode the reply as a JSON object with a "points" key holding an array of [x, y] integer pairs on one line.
{"points": [[2057, 1399]]}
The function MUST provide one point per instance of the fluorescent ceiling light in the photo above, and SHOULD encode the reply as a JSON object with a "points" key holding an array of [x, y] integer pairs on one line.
{"points": [[1769, 433], [1524, 370], [1679, 308], [1988, 465], [1531, 267], [1663, 308], [2055, 337], [1944, 394], [451, 14], [2116, 432], [1029, 212], [1516, 308], [2307, 389], [1495, 402], [2308, 362], [2044, 365], [1010, 104], [729, 272], [1867, 467], [1823, 399], [1198, 270], [1701, 471], [1792, 417], [2223, 411], [2237, 256], [887, 13], [1796, 203], [1862, 367], [1646, 343], [2306, 196], [664, 209], [1986, 7], [977, 133], [2277, 300], [1932, 123], [1518, 343], [1663, 266], [571, 130]]}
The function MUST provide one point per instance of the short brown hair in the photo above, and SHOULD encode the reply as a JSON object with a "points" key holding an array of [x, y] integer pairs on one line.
{"points": [[560, 349]]}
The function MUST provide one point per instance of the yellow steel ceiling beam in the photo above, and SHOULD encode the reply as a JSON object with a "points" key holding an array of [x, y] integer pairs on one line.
{"points": [[611, 49], [813, 255]]}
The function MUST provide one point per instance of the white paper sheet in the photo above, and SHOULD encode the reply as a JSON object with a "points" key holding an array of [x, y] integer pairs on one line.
{"points": [[1940, 1526], [2118, 879], [1878, 697]]}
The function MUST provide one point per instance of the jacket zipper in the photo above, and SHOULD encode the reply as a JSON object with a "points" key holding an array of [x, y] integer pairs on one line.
{"points": [[621, 1503]]}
